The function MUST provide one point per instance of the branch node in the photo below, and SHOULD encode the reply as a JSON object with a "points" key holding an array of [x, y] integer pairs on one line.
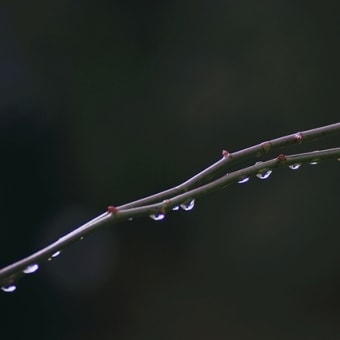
{"points": [[281, 158], [112, 209], [226, 154], [266, 146], [166, 202], [299, 137]]}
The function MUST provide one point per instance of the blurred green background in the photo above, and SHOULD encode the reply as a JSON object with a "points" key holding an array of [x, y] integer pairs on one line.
{"points": [[103, 102]]}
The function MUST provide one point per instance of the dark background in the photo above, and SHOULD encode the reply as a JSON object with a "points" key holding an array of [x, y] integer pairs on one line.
{"points": [[103, 102]]}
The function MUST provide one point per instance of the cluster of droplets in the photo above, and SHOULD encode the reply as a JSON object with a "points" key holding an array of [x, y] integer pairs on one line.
{"points": [[297, 166], [186, 206], [30, 269], [265, 174]]}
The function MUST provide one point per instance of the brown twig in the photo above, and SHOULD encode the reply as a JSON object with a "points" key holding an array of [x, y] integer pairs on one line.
{"points": [[197, 186]]}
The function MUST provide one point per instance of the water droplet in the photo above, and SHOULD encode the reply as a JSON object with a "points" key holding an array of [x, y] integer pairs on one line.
{"points": [[81, 238], [264, 175], [175, 208], [294, 166], [54, 255], [9, 289], [57, 253], [130, 219], [313, 163], [32, 268], [243, 180], [189, 205], [157, 217]]}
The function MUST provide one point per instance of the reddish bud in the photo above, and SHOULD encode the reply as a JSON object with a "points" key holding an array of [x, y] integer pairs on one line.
{"points": [[112, 209], [281, 158], [225, 153], [299, 137]]}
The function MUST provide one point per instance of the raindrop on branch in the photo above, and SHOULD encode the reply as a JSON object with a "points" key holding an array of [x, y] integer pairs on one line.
{"points": [[264, 175], [8, 289], [157, 217], [57, 253], [189, 205], [54, 255], [313, 163], [243, 180], [32, 268], [175, 208], [294, 166]]}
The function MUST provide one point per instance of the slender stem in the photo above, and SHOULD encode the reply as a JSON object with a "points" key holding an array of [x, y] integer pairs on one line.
{"points": [[191, 189], [232, 158]]}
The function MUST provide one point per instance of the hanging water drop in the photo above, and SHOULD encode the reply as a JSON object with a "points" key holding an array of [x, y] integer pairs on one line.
{"points": [[32, 268], [175, 208], [157, 217], [54, 255], [57, 253], [189, 205], [313, 163], [243, 180], [8, 289], [264, 175], [294, 166]]}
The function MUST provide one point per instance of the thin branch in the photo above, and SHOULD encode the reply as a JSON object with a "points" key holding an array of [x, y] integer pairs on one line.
{"points": [[163, 202], [229, 159]]}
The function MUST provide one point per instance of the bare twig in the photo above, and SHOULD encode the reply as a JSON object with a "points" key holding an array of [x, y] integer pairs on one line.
{"points": [[229, 159], [199, 185]]}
